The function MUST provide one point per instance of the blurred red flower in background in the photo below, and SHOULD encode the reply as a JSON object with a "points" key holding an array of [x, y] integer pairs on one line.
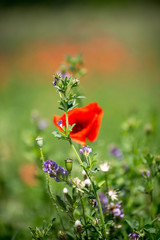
{"points": [[87, 119]]}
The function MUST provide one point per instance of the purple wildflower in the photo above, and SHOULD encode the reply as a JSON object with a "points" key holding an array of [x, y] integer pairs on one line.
{"points": [[145, 173], [55, 171], [116, 210], [93, 202], [60, 122], [116, 152], [67, 75], [134, 236], [57, 77], [103, 200], [85, 150], [42, 125]]}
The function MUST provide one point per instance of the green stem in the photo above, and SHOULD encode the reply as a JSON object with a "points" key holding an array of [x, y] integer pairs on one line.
{"points": [[95, 191], [50, 191], [66, 119], [77, 155], [83, 213], [101, 213]]}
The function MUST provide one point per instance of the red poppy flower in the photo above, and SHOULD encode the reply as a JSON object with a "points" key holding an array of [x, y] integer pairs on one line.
{"points": [[87, 120]]}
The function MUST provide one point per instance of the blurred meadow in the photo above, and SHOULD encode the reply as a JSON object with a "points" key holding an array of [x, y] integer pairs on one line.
{"points": [[121, 52]]}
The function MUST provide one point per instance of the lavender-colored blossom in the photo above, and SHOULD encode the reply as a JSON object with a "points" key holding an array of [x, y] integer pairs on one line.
{"points": [[103, 200], [116, 210], [57, 77], [42, 125], [134, 236], [60, 122], [85, 150], [145, 173], [55, 171], [116, 152], [93, 202], [66, 75]]}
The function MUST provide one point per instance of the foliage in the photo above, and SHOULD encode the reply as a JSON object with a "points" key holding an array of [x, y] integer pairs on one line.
{"points": [[104, 205]]}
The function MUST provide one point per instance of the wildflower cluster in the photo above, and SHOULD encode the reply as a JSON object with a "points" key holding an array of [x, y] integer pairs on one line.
{"points": [[55, 171], [85, 151], [91, 207], [134, 236], [116, 210]]}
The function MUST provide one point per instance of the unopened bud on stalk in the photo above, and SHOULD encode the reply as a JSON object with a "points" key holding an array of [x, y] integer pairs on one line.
{"points": [[39, 141], [87, 183], [78, 226], [62, 235], [65, 190], [68, 164], [84, 174]]}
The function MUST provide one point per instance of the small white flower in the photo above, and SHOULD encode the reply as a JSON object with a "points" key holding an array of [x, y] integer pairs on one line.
{"points": [[65, 190], [104, 167], [77, 181], [87, 183], [84, 173], [112, 194], [96, 221], [77, 224]]}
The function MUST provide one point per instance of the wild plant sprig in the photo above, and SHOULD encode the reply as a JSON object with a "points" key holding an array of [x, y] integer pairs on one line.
{"points": [[40, 143], [67, 102]]}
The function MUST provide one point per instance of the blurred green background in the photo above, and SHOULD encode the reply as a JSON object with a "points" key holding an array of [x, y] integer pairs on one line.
{"points": [[121, 50]]}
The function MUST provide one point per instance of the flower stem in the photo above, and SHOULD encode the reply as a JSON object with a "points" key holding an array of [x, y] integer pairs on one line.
{"points": [[77, 155], [95, 191], [83, 213], [101, 213], [50, 191]]}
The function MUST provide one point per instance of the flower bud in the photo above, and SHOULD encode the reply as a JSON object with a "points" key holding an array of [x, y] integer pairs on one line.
{"points": [[78, 226], [39, 141], [145, 173], [62, 235], [68, 164], [65, 190], [77, 181], [104, 167], [84, 174], [87, 183]]}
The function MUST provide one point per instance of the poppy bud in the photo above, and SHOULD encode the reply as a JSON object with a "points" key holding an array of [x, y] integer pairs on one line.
{"points": [[68, 164], [39, 141]]}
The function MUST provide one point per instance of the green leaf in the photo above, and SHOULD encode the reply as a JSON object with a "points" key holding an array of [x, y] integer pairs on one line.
{"points": [[53, 220], [150, 230], [57, 134], [73, 107], [69, 199], [61, 202], [133, 225], [80, 97], [100, 184], [141, 189]]}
